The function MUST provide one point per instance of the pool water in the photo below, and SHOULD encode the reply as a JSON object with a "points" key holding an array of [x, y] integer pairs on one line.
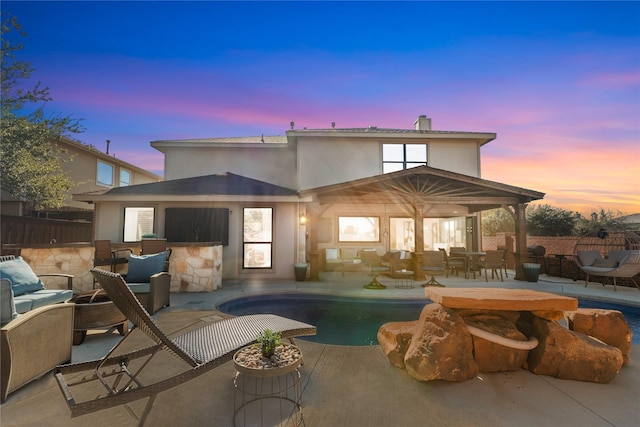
{"points": [[355, 321]]}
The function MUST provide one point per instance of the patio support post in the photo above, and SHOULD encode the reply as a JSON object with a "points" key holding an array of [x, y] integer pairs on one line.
{"points": [[314, 254], [521, 239], [418, 274]]}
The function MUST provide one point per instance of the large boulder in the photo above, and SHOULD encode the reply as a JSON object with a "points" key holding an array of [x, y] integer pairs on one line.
{"points": [[394, 339], [441, 347], [570, 355], [609, 326], [492, 357]]}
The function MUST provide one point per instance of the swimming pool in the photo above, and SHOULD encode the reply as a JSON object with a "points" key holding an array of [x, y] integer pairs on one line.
{"points": [[355, 321]]}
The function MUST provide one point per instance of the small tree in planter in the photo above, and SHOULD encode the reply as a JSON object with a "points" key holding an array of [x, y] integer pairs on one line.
{"points": [[268, 341]]}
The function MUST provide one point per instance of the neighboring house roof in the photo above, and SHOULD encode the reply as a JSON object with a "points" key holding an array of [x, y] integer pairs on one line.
{"points": [[227, 187], [424, 186]]}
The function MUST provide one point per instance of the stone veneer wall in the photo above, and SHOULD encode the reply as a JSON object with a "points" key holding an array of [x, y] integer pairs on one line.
{"points": [[193, 268]]}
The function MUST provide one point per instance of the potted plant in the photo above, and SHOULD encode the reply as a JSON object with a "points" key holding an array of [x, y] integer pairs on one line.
{"points": [[268, 341]]}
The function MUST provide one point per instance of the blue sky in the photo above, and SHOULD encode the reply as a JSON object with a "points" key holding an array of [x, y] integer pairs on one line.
{"points": [[559, 82]]}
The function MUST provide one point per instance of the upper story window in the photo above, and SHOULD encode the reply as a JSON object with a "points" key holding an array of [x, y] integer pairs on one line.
{"points": [[397, 157], [125, 177], [105, 174]]}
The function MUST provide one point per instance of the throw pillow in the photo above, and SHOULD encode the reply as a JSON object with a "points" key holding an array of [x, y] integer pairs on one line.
{"points": [[331, 253], [605, 263], [618, 255], [142, 267], [7, 306], [19, 273], [588, 257]]}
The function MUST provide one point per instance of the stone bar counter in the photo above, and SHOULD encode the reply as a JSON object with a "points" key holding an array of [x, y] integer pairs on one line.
{"points": [[194, 267]]}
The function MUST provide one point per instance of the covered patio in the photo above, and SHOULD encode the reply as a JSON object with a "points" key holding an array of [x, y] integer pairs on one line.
{"points": [[424, 192]]}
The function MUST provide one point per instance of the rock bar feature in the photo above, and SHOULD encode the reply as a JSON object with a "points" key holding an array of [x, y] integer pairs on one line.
{"points": [[500, 299]]}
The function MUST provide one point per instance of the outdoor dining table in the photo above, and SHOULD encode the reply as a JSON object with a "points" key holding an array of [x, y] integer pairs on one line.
{"points": [[471, 261]]}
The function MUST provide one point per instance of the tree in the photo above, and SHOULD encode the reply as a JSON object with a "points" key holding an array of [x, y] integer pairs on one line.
{"points": [[30, 162], [546, 220], [606, 219], [497, 221]]}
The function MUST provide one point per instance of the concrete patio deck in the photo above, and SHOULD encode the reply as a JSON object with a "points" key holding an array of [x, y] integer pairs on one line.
{"points": [[357, 386]]}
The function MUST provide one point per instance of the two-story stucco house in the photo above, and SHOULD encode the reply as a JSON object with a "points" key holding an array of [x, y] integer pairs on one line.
{"points": [[279, 200]]}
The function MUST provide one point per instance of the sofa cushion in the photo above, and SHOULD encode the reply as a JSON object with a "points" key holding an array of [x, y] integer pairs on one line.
{"points": [[22, 305], [618, 255], [348, 253], [7, 306], [22, 277], [331, 254], [588, 257], [142, 267], [139, 288], [605, 263], [46, 297]]}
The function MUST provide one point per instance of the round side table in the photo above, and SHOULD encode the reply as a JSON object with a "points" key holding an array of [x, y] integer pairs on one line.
{"points": [[267, 395], [404, 279]]}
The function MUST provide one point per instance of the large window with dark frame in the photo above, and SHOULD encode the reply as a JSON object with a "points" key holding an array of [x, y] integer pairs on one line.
{"points": [[257, 238], [358, 229], [396, 157]]}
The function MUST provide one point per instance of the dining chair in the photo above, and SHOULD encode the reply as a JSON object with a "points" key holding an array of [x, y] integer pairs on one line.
{"points": [[492, 261]]}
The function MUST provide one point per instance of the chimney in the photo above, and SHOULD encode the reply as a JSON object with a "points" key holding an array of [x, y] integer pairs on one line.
{"points": [[423, 123]]}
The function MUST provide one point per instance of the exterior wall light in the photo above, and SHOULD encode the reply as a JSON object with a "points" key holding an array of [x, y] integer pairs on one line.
{"points": [[303, 219]]}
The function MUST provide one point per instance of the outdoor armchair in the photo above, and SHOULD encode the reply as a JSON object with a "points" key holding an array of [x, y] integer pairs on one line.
{"points": [[32, 343]]}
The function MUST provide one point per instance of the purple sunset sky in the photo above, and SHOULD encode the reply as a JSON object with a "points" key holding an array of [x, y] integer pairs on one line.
{"points": [[558, 82]]}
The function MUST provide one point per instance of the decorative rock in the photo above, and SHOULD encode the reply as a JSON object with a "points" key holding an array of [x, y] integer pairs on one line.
{"points": [[570, 355], [500, 299], [511, 316], [441, 347], [609, 326], [394, 338], [492, 357]]}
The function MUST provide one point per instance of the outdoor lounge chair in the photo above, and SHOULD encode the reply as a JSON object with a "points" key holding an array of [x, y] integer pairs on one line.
{"points": [[119, 378], [618, 264]]}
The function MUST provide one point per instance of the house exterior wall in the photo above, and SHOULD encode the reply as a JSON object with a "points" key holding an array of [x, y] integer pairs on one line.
{"points": [[383, 212], [273, 163], [110, 225], [324, 162], [459, 157]]}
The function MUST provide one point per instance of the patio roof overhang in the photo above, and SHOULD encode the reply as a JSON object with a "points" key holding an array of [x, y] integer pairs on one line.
{"points": [[424, 192], [422, 186]]}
